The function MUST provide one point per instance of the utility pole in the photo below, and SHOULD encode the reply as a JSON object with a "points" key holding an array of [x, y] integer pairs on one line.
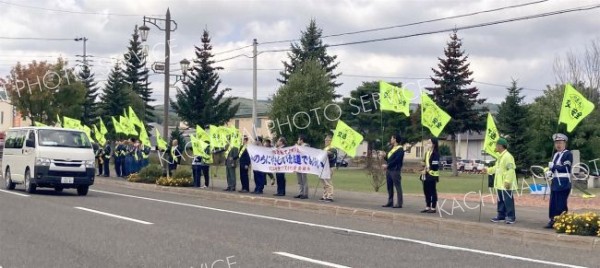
{"points": [[84, 56], [254, 86]]}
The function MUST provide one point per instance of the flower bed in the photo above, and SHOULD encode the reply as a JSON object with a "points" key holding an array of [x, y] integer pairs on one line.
{"points": [[586, 224]]}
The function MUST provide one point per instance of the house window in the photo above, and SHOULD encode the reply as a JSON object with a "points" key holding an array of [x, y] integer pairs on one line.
{"points": [[237, 123], [1, 117], [419, 152], [258, 122]]}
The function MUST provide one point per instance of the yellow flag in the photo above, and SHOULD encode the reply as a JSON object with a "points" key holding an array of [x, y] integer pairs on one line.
{"points": [[346, 138], [201, 134], [575, 107], [117, 126], [38, 124], [198, 146], [87, 130], [134, 119], [218, 136], [235, 137], [160, 143], [71, 123], [144, 137], [99, 136], [491, 137], [392, 98], [432, 116], [58, 120], [103, 129]]}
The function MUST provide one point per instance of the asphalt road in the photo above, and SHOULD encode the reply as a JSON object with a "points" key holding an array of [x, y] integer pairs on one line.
{"points": [[116, 227]]}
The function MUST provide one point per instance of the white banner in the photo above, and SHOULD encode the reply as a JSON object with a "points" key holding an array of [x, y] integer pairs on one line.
{"points": [[300, 159]]}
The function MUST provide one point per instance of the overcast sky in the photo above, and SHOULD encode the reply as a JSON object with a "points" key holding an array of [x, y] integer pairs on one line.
{"points": [[523, 50]]}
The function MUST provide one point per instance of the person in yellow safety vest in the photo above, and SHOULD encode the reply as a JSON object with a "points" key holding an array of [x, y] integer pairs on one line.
{"points": [[328, 183], [505, 182], [431, 175]]}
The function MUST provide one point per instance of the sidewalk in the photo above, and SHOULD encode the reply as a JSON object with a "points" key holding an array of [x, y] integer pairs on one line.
{"points": [[455, 212]]}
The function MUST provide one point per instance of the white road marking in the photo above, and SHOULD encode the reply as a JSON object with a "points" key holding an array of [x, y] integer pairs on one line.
{"points": [[298, 257], [15, 193], [415, 241], [114, 215]]}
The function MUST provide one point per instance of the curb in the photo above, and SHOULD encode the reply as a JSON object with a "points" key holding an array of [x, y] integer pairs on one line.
{"points": [[516, 234]]}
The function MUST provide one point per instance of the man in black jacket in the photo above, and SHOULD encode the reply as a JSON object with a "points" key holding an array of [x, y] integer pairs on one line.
{"points": [[244, 166], [394, 159]]}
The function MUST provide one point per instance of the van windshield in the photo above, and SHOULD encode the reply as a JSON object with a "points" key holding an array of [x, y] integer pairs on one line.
{"points": [[63, 138]]}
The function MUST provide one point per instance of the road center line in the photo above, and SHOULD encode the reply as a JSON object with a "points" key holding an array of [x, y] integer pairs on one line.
{"points": [[415, 241], [298, 257], [15, 193], [114, 215]]}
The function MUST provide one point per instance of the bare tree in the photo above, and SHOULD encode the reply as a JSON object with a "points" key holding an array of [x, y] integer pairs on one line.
{"points": [[580, 68]]}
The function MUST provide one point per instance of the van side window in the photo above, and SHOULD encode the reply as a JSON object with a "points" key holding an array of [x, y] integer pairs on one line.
{"points": [[32, 136], [20, 139], [10, 139]]}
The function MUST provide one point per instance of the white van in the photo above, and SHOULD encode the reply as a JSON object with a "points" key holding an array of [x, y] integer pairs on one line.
{"points": [[48, 157]]}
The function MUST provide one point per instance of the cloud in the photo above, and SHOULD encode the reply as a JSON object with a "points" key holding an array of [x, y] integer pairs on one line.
{"points": [[522, 50]]}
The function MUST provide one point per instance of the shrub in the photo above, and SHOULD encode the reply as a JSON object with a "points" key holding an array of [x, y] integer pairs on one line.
{"points": [[177, 182], [578, 224], [182, 172], [150, 173], [133, 177]]}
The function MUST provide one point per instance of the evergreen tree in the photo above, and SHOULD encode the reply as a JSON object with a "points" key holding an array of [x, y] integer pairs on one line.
{"points": [[512, 123], [308, 88], [310, 47], [200, 102], [136, 75], [116, 96], [90, 105], [453, 93]]}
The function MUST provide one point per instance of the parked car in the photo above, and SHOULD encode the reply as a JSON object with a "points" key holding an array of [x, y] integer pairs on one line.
{"points": [[341, 163]]}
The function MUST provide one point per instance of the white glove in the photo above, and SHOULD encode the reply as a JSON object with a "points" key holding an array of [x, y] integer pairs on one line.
{"points": [[550, 165], [548, 174]]}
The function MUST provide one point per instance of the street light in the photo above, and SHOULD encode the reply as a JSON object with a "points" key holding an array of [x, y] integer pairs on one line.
{"points": [[167, 29], [185, 65]]}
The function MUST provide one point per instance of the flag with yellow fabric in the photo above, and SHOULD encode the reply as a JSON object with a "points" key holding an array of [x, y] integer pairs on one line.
{"points": [[103, 129], [491, 137], [235, 137], [117, 126], [99, 136], [575, 107], [160, 143], [201, 134], [198, 146], [392, 98], [144, 137], [346, 138], [134, 119], [87, 130], [432, 116], [38, 124], [71, 123], [218, 136]]}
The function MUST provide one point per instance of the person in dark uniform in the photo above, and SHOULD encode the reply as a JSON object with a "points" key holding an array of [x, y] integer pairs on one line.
{"points": [[106, 154], [145, 150], [244, 167], [119, 158], [393, 167], [138, 156], [560, 172], [431, 175], [280, 176], [174, 156], [128, 161], [98, 153], [196, 170], [200, 167]]}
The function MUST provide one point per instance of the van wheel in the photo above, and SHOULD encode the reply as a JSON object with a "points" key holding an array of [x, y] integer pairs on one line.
{"points": [[29, 187], [8, 184], [82, 190], [58, 189]]}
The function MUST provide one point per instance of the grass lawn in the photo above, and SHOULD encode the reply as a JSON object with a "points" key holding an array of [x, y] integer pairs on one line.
{"points": [[357, 180]]}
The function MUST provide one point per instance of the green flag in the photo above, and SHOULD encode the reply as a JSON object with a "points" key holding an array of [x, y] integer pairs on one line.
{"points": [[575, 107], [346, 138], [491, 137], [395, 99], [432, 116]]}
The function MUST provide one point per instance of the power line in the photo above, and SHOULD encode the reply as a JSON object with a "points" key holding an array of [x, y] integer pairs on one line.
{"points": [[36, 38], [416, 23], [234, 57], [231, 50], [541, 15], [72, 11]]}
